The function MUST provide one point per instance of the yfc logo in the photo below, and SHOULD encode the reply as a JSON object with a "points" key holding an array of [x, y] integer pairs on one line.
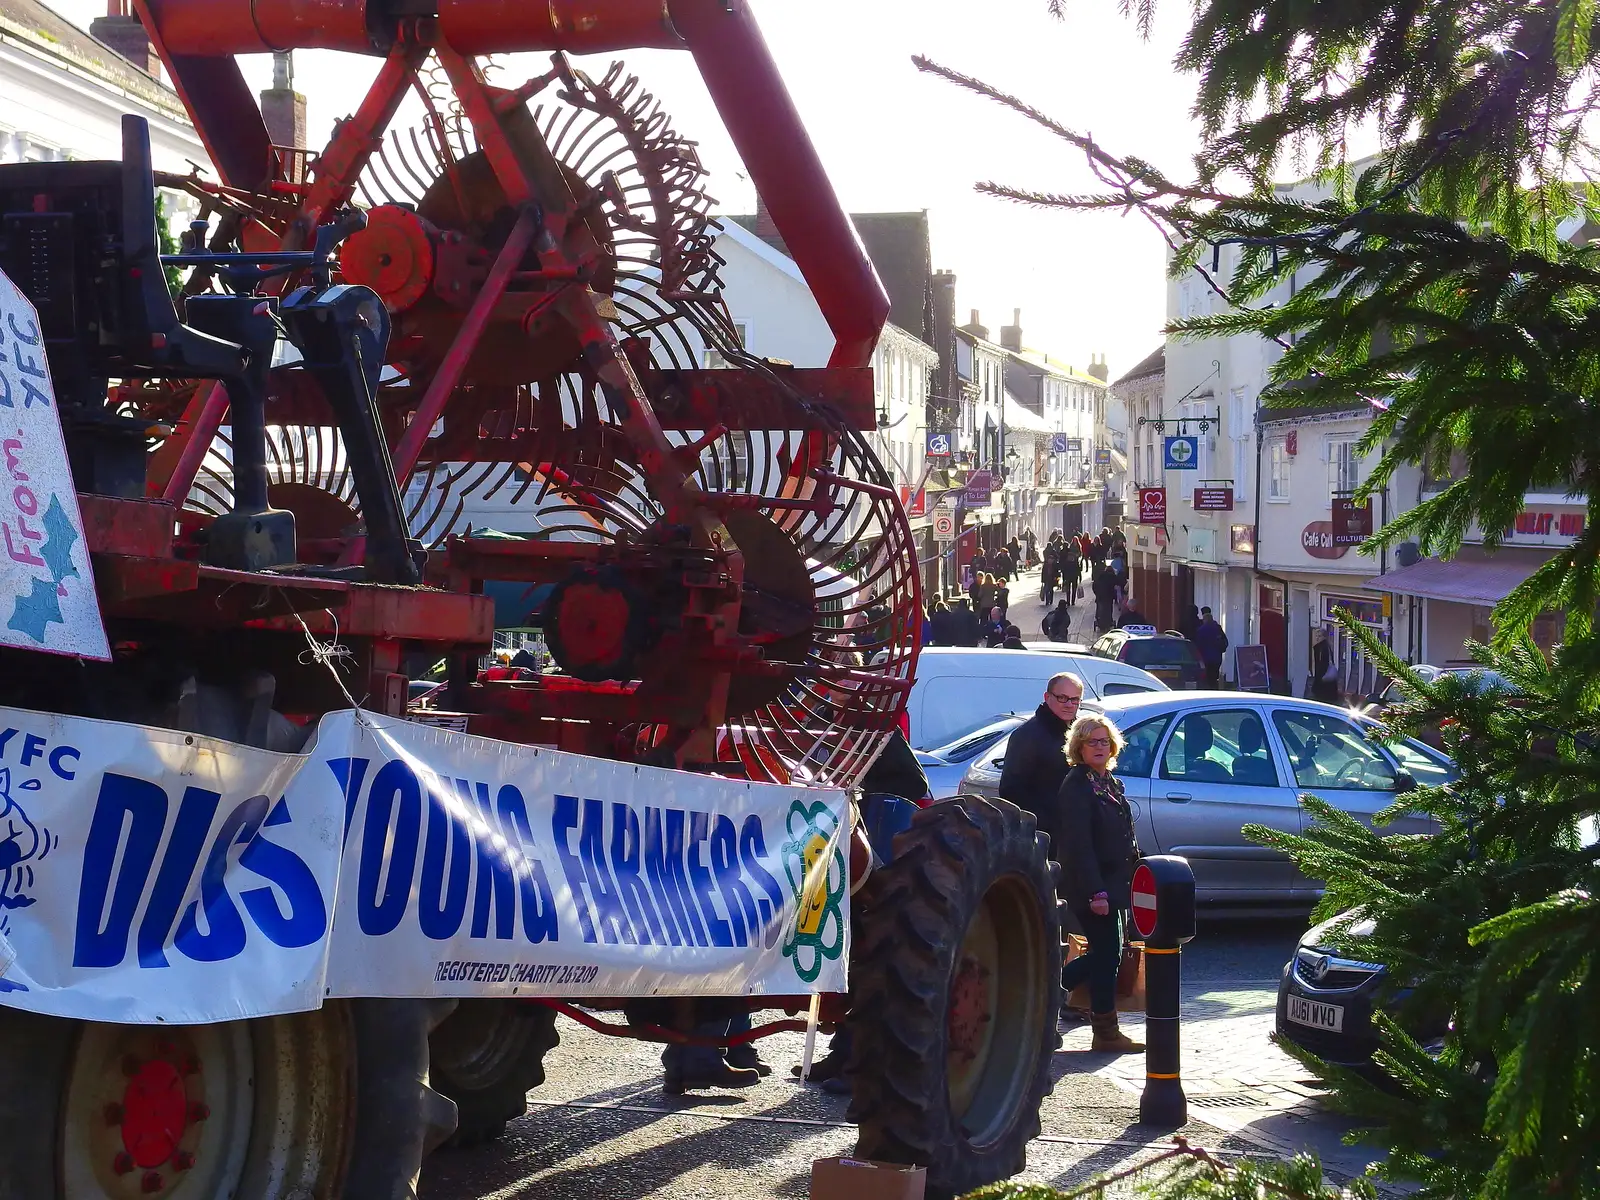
{"points": [[22, 843], [818, 880]]}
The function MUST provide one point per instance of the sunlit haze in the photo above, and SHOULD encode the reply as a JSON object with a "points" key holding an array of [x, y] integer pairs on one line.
{"points": [[896, 140]]}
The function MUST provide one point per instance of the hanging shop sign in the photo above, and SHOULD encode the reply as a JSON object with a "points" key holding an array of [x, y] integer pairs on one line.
{"points": [[1153, 506], [1213, 499], [940, 445], [1242, 539], [1352, 522], [1183, 453], [979, 489]]}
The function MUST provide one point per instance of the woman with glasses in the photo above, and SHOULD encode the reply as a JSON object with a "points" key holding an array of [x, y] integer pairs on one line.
{"points": [[1098, 852]]}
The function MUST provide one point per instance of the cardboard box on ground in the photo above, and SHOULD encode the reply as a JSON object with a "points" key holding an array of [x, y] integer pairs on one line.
{"points": [[857, 1179]]}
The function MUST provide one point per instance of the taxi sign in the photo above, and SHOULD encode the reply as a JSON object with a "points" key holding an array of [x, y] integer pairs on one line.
{"points": [[1144, 900]]}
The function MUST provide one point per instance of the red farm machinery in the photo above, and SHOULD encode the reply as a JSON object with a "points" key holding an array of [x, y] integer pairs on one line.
{"points": [[518, 295]]}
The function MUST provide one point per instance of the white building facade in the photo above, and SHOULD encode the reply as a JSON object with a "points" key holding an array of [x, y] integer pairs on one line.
{"points": [[66, 94]]}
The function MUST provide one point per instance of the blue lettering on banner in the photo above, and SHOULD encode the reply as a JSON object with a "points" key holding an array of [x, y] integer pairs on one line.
{"points": [[131, 816], [169, 874]]}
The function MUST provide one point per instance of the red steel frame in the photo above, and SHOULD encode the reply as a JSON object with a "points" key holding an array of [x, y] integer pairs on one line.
{"points": [[196, 39]]}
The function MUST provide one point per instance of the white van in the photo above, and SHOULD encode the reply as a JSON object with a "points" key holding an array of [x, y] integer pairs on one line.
{"points": [[958, 688]]}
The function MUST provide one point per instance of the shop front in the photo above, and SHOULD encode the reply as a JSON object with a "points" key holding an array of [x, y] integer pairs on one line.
{"points": [[1441, 605]]}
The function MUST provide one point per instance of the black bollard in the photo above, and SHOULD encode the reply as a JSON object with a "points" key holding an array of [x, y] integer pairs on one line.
{"points": [[1163, 913]]}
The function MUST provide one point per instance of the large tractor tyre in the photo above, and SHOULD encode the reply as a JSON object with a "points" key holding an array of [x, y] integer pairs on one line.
{"points": [[486, 1057], [956, 985], [332, 1103]]}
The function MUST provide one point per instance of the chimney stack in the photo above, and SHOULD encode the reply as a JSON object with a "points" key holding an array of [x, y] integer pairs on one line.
{"points": [[1099, 369], [124, 33], [1011, 335], [282, 108], [976, 327]]}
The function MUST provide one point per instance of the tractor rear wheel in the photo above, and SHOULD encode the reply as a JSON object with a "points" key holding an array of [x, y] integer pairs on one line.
{"points": [[486, 1057], [955, 985], [327, 1103]]}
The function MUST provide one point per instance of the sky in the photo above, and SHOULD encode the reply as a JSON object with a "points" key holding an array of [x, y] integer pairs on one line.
{"points": [[895, 140]]}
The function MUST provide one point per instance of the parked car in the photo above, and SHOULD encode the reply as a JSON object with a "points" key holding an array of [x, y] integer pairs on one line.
{"points": [[1394, 692], [957, 687], [1199, 766], [945, 765], [1326, 999], [1169, 657]]}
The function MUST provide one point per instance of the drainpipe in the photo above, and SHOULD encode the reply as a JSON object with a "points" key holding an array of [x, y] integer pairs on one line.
{"points": [[1255, 544]]}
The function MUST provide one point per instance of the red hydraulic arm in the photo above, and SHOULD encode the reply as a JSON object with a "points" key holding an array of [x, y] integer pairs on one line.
{"points": [[196, 39]]}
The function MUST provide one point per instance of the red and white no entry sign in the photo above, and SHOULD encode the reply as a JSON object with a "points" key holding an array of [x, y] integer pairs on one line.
{"points": [[1144, 900]]}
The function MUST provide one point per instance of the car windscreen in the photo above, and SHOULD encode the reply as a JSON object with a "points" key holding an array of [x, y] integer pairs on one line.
{"points": [[1159, 652], [969, 745]]}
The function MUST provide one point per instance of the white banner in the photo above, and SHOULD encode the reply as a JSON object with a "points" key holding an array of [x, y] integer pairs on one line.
{"points": [[147, 875], [47, 597]]}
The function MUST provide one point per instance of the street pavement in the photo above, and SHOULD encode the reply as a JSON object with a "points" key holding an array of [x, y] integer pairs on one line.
{"points": [[601, 1128], [1028, 610]]}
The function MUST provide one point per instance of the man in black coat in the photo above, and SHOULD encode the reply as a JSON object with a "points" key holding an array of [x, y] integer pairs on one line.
{"points": [[1036, 759]]}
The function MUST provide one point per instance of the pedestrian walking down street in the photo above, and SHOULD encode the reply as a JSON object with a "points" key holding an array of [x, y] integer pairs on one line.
{"points": [[1003, 567], [1002, 599], [984, 591], [1071, 569], [1212, 642], [1324, 684], [1100, 849], [965, 626], [1049, 571], [1057, 625], [1035, 762], [1105, 598], [994, 629]]}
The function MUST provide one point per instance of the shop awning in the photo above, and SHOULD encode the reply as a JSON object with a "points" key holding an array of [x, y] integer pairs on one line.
{"points": [[1483, 583]]}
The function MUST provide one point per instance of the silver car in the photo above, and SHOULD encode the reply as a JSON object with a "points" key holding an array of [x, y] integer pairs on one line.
{"points": [[945, 765], [1199, 766]]}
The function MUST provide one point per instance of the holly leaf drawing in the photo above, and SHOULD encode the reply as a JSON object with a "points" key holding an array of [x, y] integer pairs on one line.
{"points": [[36, 610], [60, 538]]}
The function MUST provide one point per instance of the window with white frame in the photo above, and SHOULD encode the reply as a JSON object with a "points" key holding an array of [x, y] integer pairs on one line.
{"points": [[713, 359], [1243, 470], [1344, 465], [1278, 470], [1241, 428]]}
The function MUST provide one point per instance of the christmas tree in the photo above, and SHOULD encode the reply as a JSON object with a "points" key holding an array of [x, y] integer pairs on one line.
{"points": [[1450, 285]]}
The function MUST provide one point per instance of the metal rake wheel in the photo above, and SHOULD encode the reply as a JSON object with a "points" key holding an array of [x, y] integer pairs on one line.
{"points": [[830, 566]]}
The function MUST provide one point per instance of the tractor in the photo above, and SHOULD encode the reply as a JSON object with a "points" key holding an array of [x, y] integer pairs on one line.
{"points": [[514, 297]]}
